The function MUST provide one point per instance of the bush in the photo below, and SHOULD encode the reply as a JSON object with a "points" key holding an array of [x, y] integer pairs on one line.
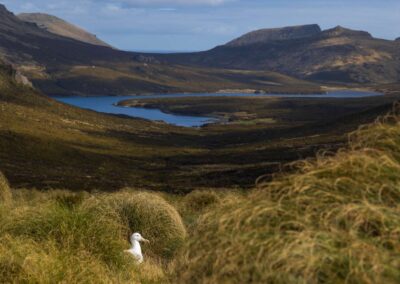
{"points": [[336, 220], [150, 215], [5, 191]]}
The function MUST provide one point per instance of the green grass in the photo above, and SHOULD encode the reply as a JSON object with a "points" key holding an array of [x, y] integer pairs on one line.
{"points": [[58, 236]]}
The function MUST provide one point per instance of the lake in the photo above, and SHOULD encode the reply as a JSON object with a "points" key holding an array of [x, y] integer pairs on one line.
{"points": [[107, 105]]}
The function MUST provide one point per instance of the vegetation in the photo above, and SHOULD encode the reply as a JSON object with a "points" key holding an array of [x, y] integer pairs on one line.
{"points": [[149, 214], [5, 192], [335, 220], [45, 144], [58, 236]]}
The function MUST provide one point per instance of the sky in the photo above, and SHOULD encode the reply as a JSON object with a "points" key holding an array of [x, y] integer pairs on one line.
{"points": [[192, 25]]}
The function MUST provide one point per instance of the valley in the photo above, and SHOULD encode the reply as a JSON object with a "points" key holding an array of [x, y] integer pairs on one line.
{"points": [[273, 158]]}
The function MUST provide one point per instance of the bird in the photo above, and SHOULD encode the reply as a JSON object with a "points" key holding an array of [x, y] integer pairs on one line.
{"points": [[136, 249]]}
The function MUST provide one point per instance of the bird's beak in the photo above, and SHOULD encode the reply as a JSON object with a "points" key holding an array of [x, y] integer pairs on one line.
{"points": [[145, 240]]}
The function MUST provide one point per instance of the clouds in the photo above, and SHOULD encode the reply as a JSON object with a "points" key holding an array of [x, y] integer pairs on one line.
{"points": [[203, 24]]}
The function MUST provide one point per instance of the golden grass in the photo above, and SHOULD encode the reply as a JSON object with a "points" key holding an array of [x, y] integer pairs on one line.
{"points": [[58, 236], [199, 200], [336, 220], [5, 192], [149, 214]]}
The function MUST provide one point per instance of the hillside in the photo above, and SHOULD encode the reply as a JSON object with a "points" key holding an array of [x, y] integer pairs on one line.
{"points": [[60, 27], [336, 55], [334, 220], [278, 34], [330, 220], [46, 144], [63, 66]]}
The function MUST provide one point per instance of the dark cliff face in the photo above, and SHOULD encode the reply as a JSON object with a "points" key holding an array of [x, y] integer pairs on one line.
{"points": [[278, 34]]}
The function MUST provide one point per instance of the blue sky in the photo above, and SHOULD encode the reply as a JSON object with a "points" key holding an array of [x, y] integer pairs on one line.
{"points": [[189, 25]]}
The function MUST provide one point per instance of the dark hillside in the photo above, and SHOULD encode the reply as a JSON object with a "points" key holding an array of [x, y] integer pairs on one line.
{"points": [[337, 55]]}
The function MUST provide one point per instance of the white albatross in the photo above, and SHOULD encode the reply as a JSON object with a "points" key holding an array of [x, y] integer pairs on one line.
{"points": [[136, 249]]}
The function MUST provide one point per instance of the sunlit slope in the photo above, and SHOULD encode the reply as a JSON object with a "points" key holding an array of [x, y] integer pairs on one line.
{"points": [[60, 27], [335, 220], [48, 144]]}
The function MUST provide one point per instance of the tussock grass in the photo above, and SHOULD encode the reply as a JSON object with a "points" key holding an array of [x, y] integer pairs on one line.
{"points": [[337, 219], [199, 200], [149, 214], [58, 236], [74, 230], [26, 261], [5, 192]]}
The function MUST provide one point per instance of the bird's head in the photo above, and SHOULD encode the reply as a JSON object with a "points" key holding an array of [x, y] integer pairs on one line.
{"points": [[138, 237]]}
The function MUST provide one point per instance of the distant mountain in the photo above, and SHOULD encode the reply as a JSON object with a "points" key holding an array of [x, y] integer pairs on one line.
{"points": [[269, 35], [334, 55], [59, 65], [60, 27], [23, 43]]}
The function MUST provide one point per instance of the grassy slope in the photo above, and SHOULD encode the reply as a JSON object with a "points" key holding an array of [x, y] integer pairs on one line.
{"points": [[335, 220], [282, 111], [117, 78], [46, 144]]}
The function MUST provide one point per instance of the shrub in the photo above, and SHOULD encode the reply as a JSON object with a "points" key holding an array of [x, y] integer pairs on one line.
{"points": [[336, 220], [5, 191], [150, 215]]}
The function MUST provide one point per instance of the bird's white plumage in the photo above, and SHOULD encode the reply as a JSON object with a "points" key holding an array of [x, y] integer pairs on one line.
{"points": [[136, 249]]}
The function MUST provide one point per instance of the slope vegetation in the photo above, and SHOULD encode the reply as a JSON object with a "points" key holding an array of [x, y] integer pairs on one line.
{"points": [[335, 220]]}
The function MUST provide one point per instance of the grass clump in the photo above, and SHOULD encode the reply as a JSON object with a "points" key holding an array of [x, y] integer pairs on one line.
{"points": [[26, 261], [5, 191], [199, 200], [74, 230], [336, 220], [149, 214], [53, 237]]}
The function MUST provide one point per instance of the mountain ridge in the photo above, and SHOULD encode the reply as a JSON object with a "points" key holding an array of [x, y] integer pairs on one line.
{"points": [[337, 55], [275, 34], [61, 27]]}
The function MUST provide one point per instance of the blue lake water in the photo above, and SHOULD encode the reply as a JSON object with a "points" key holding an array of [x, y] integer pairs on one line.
{"points": [[107, 105]]}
